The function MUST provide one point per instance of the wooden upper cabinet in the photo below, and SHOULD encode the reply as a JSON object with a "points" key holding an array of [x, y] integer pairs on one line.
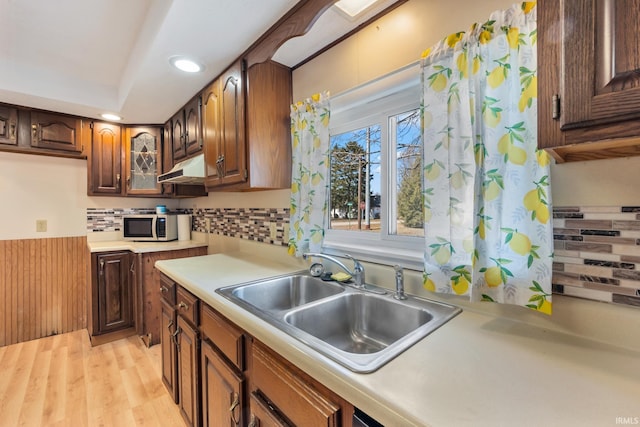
{"points": [[246, 128], [232, 124], [143, 151], [589, 76], [167, 155], [186, 134], [8, 125], [269, 94], [56, 131], [192, 127], [177, 136], [105, 160], [211, 131]]}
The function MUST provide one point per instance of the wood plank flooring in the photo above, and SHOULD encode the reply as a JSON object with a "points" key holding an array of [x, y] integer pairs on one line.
{"points": [[62, 381]]}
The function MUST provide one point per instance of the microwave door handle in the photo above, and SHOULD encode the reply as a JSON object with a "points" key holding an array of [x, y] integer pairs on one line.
{"points": [[155, 227]]}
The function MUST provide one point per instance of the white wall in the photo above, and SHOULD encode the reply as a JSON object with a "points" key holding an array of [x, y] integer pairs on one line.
{"points": [[54, 189]]}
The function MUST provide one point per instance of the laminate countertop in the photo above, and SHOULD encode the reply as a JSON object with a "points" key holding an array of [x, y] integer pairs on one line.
{"points": [[479, 369], [143, 247]]}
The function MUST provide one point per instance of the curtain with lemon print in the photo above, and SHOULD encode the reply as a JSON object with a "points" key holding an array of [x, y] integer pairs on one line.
{"points": [[310, 173], [486, 188]]}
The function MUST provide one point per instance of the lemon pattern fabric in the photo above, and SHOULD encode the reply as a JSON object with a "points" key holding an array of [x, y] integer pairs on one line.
{"points": [[310, 173], [487, 198]]}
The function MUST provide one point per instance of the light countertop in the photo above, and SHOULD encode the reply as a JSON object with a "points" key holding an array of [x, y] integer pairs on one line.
{"points": [[477, 370], [143, 247]]}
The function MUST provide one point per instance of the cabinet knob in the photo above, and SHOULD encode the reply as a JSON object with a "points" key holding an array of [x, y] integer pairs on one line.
{"points": [[101, 267], [12, 130], [252, 421], [183, 306], [117, 182], [164, 289]]}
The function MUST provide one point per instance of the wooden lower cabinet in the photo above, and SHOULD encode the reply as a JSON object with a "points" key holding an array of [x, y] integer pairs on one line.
{"points": [[148, 305], [290, 395], [222, 390], [168, 327], [188, 345], [227, 378], [112, 295]]}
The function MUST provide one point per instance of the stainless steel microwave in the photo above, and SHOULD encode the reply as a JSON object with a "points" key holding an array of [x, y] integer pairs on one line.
{"points": [[150, 228]]}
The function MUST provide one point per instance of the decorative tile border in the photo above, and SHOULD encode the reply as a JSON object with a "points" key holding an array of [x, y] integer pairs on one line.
{"points": [[248, 224], [597, 253]]}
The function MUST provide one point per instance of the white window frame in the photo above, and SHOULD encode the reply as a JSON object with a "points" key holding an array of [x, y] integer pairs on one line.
{"points": [[374, 104]]}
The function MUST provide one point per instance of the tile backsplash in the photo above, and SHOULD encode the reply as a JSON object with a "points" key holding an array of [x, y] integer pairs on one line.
{"points": [[597, 253], [597, 249], [268, 225]]}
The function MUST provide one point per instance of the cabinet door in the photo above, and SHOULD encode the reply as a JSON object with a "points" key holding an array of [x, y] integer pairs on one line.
{"points": [[167, 155], [192, 131], [588, 59], [143, 160], [55, 131], [188, 372], [179, 150], [211, 132], [168, 354], [115, 302], [222, 391], [105, 165], [8, 125], [232, 122]]}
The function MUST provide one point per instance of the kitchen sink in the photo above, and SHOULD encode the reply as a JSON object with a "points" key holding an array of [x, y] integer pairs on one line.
{"points": [[360, 329], [359, 323], [282, 293]]}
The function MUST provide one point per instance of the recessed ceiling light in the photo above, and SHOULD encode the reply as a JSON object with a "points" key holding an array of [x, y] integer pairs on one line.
{"points": [[354, 7], [109, 116], [185, 64]]}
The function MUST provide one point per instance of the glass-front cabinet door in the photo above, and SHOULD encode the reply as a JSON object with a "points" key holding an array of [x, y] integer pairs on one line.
{"points": [[143, 160]]}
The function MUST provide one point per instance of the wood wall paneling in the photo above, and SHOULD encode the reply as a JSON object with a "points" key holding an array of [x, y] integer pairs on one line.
{"points": [[42, 287]]}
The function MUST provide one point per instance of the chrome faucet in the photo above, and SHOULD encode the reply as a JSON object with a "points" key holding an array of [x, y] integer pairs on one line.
{"points": [[358, 269], [400, 295]]}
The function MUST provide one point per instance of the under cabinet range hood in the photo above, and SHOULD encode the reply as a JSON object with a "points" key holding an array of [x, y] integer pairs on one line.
{"points": [[190, 171]]}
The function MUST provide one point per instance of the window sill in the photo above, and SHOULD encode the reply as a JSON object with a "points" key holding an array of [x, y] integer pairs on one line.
{"points": [[410, 258]]}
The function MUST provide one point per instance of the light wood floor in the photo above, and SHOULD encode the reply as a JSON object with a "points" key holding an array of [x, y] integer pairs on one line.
{"points": [[63, 381]]}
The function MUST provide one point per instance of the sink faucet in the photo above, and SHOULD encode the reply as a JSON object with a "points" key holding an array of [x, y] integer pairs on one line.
{"points": [[358, 269], [399, 283]]}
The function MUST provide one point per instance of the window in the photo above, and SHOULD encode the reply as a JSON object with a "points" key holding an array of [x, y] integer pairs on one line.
{"points": [[375, 193]]}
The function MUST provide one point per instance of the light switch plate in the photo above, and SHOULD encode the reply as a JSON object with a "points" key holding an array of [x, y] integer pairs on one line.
{"points": [[273, 230]]}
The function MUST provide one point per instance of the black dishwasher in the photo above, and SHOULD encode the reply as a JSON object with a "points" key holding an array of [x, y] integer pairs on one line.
{"points": [[360, 419]]}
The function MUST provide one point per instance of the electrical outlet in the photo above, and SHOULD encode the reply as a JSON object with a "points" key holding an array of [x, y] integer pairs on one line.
{"points": [[41, 225], [286, 233], [273, 230]]}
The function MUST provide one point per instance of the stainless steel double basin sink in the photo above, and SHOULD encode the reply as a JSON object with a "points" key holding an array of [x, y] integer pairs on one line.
{"points": [[360, 329]]}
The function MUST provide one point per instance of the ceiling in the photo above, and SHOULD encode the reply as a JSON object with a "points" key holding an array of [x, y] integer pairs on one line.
{"points": [[90, 57]]}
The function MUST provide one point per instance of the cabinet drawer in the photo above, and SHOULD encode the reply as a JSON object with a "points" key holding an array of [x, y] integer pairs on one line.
{"points": [[262, 415], [187, 305], [168, 290], [293, 397], [227, 337]]}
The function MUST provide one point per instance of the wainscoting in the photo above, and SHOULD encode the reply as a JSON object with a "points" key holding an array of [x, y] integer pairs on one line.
{"points": [[43, 285]]}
